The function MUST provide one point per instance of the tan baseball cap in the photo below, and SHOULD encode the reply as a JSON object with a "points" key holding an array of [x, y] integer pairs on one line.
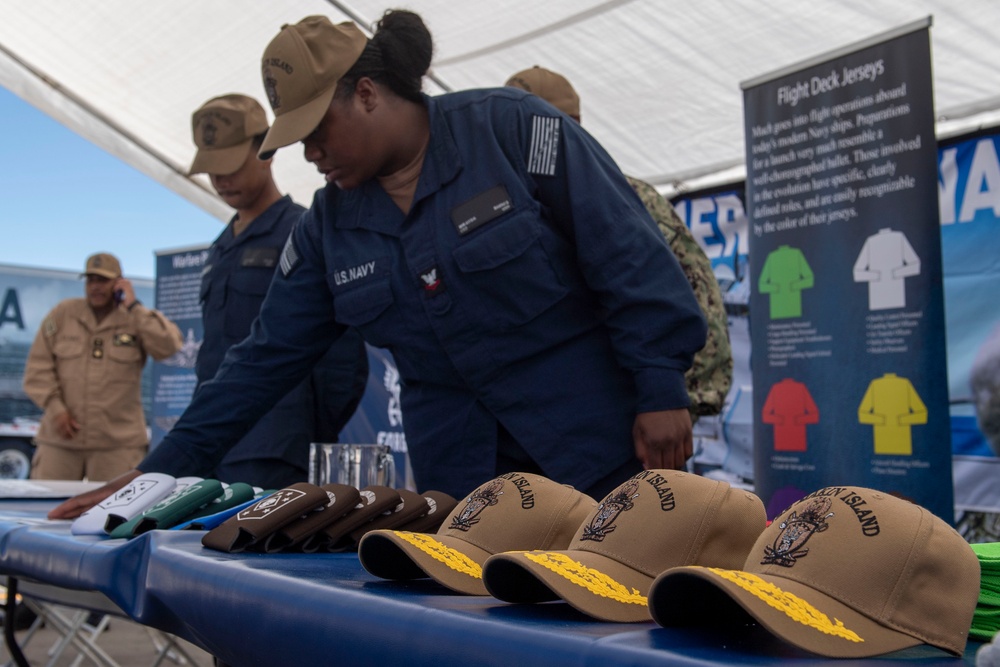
{"points": [[223, 129], [300, 68], [551, 87], [656, 520], [513, 511], [103, 264], [846, 572]]}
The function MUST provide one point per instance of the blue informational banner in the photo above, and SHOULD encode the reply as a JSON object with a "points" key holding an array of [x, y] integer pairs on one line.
{"points": [[178, 286], [846, 313], [969, 196]]}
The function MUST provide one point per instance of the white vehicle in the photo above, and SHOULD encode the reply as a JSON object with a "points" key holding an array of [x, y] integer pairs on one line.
{"points": [[16, 449]]}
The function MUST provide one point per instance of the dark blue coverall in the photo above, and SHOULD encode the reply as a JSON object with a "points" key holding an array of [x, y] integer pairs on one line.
{"points": [[526, 297], [275, 453]]}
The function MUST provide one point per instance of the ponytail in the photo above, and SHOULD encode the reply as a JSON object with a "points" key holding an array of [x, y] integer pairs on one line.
{"points": [[397, 56]]}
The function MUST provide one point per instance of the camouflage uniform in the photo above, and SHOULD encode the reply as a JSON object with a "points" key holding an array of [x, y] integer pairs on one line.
{"points": [[711, 374]]}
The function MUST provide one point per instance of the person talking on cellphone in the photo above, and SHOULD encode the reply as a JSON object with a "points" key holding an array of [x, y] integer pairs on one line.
{"points": [[84, 370]]}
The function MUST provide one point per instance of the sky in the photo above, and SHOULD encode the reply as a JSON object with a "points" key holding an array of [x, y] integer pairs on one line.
{"points": [[62, 198]]}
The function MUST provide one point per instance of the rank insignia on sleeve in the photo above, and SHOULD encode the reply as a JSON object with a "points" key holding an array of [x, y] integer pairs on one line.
{"points": [[289, 258]]}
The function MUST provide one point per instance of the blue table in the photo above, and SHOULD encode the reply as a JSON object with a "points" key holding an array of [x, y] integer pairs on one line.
{"points": [[299, 609]]}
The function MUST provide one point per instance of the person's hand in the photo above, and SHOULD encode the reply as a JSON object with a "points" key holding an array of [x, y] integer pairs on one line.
{"points": [[128, 292], [77, 505], [66, 425], [663, 439]]}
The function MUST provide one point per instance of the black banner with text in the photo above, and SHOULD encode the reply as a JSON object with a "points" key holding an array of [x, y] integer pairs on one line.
{"points": [[847, 317]]}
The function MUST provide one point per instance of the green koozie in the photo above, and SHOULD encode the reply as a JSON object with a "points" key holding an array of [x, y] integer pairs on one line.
{"points": [[173, 509], [236, 493]]}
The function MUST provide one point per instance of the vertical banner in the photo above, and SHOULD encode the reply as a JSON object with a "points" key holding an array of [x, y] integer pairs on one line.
{"points": [[178, 297], [847, 317]]}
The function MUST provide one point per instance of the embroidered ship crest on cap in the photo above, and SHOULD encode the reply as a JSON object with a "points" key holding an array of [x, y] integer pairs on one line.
{"points": [[483, 497], [796, 531], [208, 131], [621, 500], [271, 88]]}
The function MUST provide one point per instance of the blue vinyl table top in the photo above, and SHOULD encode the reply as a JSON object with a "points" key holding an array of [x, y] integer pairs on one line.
{"points": [[299, 609]]}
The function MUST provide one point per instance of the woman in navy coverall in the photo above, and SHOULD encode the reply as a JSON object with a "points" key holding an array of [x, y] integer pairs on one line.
{"points": [[538, 320]]}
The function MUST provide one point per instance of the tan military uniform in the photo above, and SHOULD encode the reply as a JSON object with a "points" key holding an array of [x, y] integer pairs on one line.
{"points": [[711, 374], [94, 370]]}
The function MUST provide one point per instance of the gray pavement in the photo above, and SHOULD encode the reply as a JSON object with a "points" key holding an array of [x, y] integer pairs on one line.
{"points": [[123, 642]]}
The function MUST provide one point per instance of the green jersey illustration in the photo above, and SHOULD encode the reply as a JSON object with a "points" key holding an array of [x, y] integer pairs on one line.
{"points": [[786, 273]]}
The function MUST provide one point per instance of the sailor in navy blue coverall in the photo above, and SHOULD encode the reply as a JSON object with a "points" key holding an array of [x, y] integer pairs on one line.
{"points": [[522, 298], [234, 281], [228, 131], [538, 319]]}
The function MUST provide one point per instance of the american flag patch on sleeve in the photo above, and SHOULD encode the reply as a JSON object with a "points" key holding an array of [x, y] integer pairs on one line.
{"points": [[544, 145], [289, 258]]}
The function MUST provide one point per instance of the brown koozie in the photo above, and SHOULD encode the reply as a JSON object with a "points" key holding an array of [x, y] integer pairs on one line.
{"points": [[375, 499], [264, 517], [342, 499], [411, 506], [440, 505]]}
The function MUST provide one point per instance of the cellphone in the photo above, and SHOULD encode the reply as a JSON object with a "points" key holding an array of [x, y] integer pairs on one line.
{"points": [[119, 295]]}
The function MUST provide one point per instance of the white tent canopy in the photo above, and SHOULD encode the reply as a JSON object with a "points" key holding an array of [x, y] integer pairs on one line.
{"points": [[659, 81]]}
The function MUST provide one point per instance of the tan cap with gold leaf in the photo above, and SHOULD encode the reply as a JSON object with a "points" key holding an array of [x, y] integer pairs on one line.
{"points": [[846, 572], [514, 511]]}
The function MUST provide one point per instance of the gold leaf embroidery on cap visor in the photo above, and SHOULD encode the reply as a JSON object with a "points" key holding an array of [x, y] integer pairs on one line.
{"points": [[456, 560], [596, 582], [793, 606]]}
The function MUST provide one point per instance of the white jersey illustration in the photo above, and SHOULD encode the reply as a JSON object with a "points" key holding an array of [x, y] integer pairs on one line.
{"points": [[886, 260]]}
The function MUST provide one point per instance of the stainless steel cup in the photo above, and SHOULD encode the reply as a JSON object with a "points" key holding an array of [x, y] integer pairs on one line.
{"points": [[357, 465]]}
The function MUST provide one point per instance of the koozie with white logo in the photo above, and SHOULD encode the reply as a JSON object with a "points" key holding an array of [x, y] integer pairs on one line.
{"points": [[141, 493]]}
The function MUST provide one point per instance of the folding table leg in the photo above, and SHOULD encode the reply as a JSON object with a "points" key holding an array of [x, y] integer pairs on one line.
{"points": [[167, 647], [70, 629], [10, 610]]}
